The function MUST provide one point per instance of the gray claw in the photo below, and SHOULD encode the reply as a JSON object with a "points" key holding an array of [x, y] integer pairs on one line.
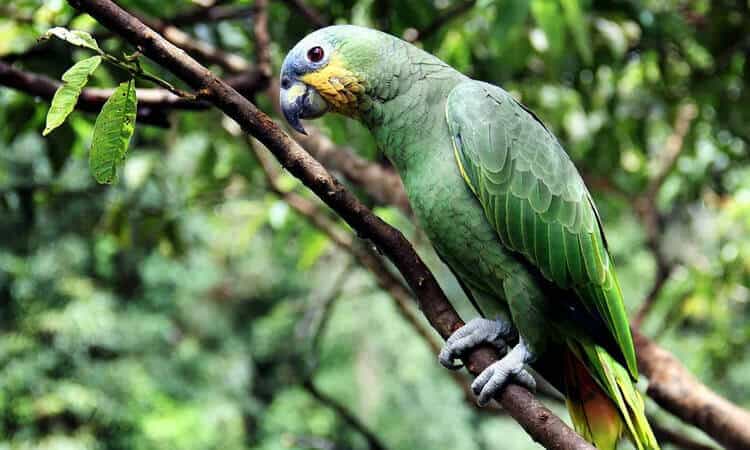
{"points": [[477, 331], [511, 366]]}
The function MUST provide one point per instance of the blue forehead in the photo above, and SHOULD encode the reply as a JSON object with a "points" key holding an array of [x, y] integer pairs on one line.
{"points": [[296, 62]]}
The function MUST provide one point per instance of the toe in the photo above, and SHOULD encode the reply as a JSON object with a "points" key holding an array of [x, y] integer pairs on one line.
{"points": [[480, 381], [447, 356], [525, 379], [492, 387]]}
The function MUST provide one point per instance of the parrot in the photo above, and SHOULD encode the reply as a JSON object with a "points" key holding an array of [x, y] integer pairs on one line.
{"points": [[504, 208]]}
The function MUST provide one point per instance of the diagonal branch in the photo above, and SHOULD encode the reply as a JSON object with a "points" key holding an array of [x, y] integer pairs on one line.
{"points": [[450, 13], [679, 440], [538, 421], [648, 210], [205, 52], [373, 441], [665, 394], [214, 13], [679, 392], [381, 184], [368, 259], [312, 15]]}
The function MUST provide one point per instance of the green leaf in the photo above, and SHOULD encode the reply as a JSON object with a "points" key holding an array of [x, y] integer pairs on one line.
{"points": [[549, 18], [112, 132], [509, 25], [66, 96], [578, 26], [75, 37]]}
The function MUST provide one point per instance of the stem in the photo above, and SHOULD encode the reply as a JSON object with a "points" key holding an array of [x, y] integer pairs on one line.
{"points": [[134, 69]]}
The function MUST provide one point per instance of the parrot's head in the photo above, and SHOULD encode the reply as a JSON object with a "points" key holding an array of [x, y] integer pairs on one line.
{"points": [[329, 70]]}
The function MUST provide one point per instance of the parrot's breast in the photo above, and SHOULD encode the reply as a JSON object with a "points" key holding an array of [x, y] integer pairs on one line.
{"points": [[454, 220]]}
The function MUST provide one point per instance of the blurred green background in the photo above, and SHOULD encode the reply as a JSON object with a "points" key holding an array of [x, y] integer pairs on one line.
{"points": [[179, 307]]}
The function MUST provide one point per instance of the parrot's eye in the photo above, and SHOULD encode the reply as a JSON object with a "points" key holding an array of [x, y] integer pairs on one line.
{"points": [[315, 54]]}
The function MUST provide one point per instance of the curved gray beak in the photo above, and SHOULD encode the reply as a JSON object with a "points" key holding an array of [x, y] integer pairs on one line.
{"points": [[300, 101]]}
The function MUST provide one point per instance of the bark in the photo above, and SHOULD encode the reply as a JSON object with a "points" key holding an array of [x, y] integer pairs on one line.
{"points": [[153, 104], [679, 392], [536, 419]]}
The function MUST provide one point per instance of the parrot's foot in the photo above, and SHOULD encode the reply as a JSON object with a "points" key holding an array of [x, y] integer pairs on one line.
{"points": [[477, 331], [511, 366]]}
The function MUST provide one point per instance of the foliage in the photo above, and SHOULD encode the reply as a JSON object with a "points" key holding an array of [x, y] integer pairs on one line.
{"points": [[66, 96], [112, 132], [176, 308]]}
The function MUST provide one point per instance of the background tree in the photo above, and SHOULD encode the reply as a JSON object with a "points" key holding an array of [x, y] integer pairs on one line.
{"points": [[194, 304]]}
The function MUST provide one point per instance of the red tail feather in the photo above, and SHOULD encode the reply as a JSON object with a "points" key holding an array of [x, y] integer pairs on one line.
{"points": [[594, 414]]}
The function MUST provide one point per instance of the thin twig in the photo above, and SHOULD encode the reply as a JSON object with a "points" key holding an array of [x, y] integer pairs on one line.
{"points": [[326, 306], [135, 70], [313, 442], [262, 39], [312, 15], [373, 441], [214, 13], [452, 12], [648, 210], [153, 104], [202, 50]]}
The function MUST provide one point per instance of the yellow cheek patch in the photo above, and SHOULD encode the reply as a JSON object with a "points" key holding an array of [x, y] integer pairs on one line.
{"points": [[296, 91], [340, 87]]}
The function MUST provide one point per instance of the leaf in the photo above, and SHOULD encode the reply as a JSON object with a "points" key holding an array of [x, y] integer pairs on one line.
{"points": [[578, 26], [509, 24], [549, 18], [75, 37], [112, 132], [66, 96]]}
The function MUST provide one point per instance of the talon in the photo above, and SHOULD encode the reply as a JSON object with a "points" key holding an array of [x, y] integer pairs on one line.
{"points": [[511, 366], [477, 331]]}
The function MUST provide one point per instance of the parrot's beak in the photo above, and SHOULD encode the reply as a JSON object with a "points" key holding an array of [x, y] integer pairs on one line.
{"points": [[300, 101]]}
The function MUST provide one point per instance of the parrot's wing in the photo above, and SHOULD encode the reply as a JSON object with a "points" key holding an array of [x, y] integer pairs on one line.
{"points": [[534, 197]]}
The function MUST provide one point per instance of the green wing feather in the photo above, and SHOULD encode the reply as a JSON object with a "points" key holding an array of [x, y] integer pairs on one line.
{"points": [[534, 197]]}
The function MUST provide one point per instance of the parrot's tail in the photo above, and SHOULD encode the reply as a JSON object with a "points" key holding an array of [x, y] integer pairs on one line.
{"points": [[602, 400]]}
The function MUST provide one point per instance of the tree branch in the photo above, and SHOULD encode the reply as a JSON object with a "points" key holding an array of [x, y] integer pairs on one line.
{"points": [[382, 184], [648, 210], [679, 440], [326, 308], [312, 15], [539, 422], [450, 13], [373, 441], [214, 13], [679, 392], [205, 52], [368, 259], [153, 104], [662, 394], [262, 39]]}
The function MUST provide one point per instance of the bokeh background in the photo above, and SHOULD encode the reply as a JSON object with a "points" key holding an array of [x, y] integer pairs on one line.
{"points": [[187, 306]]}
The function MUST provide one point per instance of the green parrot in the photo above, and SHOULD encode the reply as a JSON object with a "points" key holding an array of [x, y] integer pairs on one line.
{"points": [[505, 209]]}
